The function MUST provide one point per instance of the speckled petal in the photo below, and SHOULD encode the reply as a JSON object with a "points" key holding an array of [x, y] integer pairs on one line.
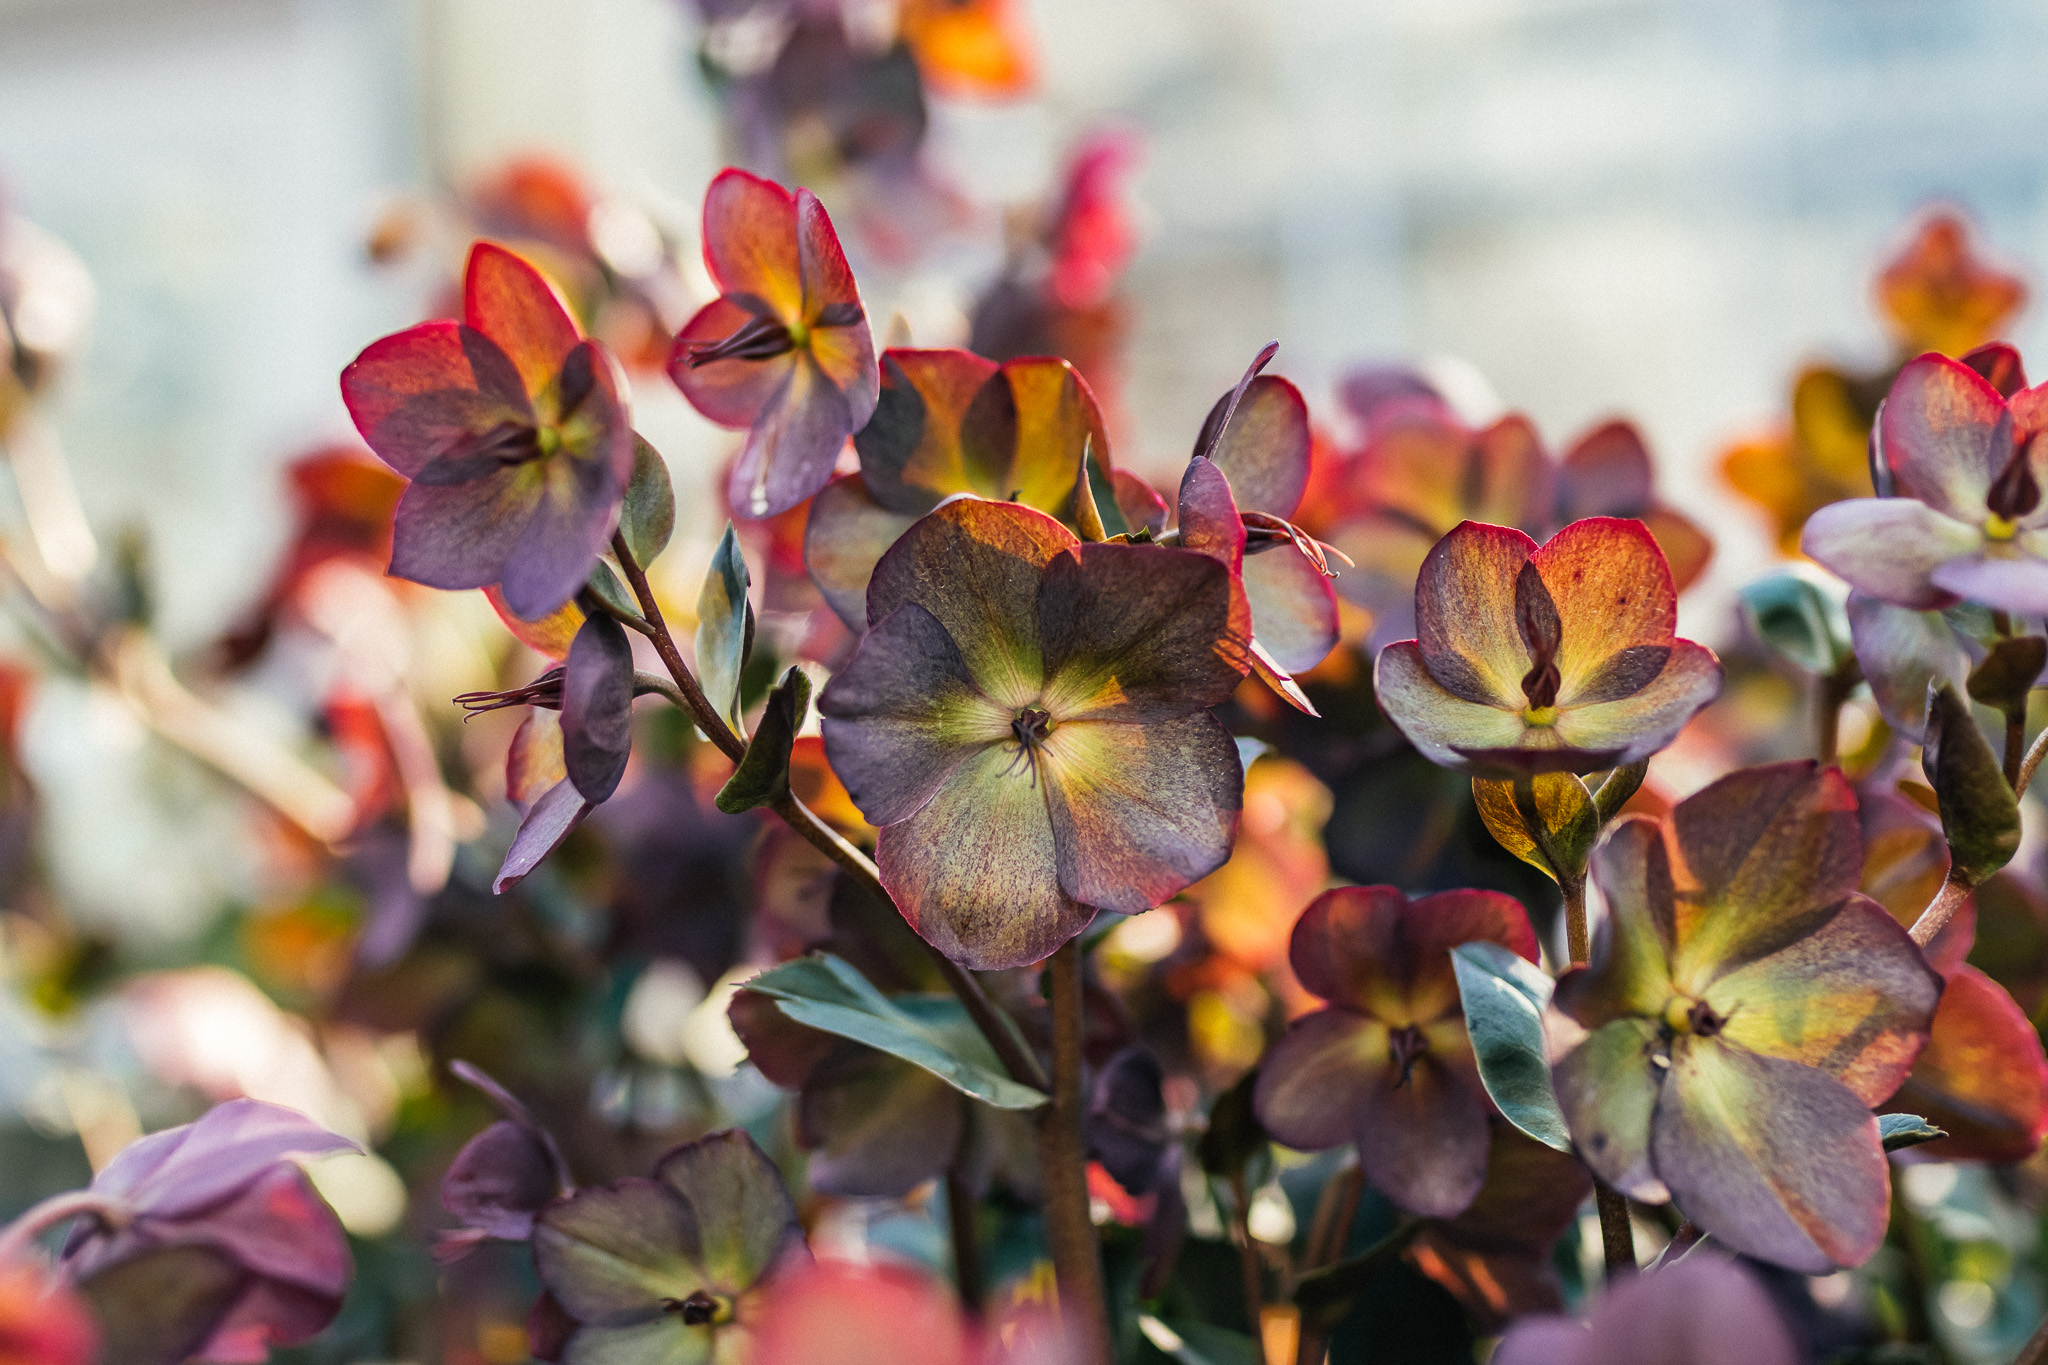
{"points": [[1138, 633], [1465, 613], [1608, 1088]]}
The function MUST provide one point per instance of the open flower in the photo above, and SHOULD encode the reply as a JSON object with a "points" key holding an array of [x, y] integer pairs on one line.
{"points": [[268, 1263], [673, 1268], [514, 431], [1388, 1065], [1704, 1310], [1971, 523], [1745, 1008], [1026, 721], [1558, 659], [784, 351], [949, 422]]}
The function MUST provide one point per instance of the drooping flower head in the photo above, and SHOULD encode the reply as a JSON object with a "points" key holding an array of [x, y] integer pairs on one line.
{"points": [[784, 351], [949, 422], [1388, 1065], [1744, 1009], [1971, 523], [1026, 721], [514, 432], [1553, 659], [674, 1268]]}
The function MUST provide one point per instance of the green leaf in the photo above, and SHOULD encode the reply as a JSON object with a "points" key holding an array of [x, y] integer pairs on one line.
{"points": [[1504, 996], [2007, 674], [1897, 1131], [1325, 1296], [1101, 490], [1618, 786], [722, 628], [1192, 1342], [763, 773], [1234, 1138], [830, 994], [648, 516], [1799, 622], [1549, 821], [605, 586], [1980, 818]]}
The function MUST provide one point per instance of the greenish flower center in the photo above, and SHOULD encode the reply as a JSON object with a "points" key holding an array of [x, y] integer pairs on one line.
{"points": [[700, 1309], [1408, 1047], [1684, 1015], [1539, 716], [2000, 528], [547, 440], [1029, 726]]}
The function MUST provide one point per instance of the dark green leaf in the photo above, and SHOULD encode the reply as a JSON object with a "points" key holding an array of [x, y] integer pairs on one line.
{"points": [[1899, 1131], [1504, 995], [763, 774], [648, 516], [2007, 674], [1618, 787], [1326, 1295], [1101, 490], [605, 586], [722, 620], [1979, 816], [830, 994], [1799, 622], [1192, 1342], [1234, 1137]]}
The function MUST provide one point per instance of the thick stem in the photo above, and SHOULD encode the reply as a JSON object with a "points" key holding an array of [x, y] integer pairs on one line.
{"points": [[966, 1245], [1063, 1161], [1955, 889], [1578, 937], [996, 1026], [1617, 1237], [20, 1235]]}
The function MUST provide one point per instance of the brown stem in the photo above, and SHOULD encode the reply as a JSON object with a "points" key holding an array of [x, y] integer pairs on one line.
{"points": [[2035, 1352], [18, 1236], [1955, 889], [1617, 1237], [2030, 763], [1063, 1162], [996, 1026], [2015, 747], [966, 1246], [1577, 936]]}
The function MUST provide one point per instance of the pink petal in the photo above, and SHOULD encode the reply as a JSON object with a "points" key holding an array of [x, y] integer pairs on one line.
{"points": [[513, 304], [1890, 547]]}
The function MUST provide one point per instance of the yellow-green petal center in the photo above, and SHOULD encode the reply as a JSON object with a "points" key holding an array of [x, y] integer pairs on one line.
{"points": [[1541, 717], [2000, 528]]}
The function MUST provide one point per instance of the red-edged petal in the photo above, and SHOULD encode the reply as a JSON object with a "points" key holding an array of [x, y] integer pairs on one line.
{"points": [[840, 340], [416, 395], [731, 392], [1940, 433], [513, 304], [792, 446], [910, 452], [1983, 1078], [1264, 451], [1616, 607], [1465, 613], [750, 243]]}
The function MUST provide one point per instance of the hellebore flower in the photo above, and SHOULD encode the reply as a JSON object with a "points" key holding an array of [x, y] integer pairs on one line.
{"points": [[1744, 1009], [1702, 1311], [784, 351], [1250, 466], [1558, 659], [1971, 523], [1388, 1066], [1938, 294], [514, 431], [674, 1268], [227, 1185], [566, 768], [1026, 722], [949, 422], [502, 1177]]}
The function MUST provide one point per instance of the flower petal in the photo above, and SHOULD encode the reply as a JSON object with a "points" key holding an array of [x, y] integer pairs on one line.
{"points": [[612, 1254], [597, 708], [1465, 613], [1140, 812], [845, 536], [1766, 855], [977, 566], [841, 343], [975, 871], [1982, 1078], [1630, 973], [1313, 1081], [1264, 451], [2014, 583], [1773, 1158], [1423, 1141], [513, 304], [1447, 728], [910, 451], [1939, 430], [560, 809], [904, 714], [1890, 547], [1294, 607], [1373, 949], [1686, 547], [1024, 433], [1635, 726], [750, 242], [731, 391], [461, 535], [1853, 998], [1422, 463], [746, 1222], [415, 395], [1607, 1088], [1901, 651], [1138, 633], [793, 444], [1615, 605], [1606, 473]]}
